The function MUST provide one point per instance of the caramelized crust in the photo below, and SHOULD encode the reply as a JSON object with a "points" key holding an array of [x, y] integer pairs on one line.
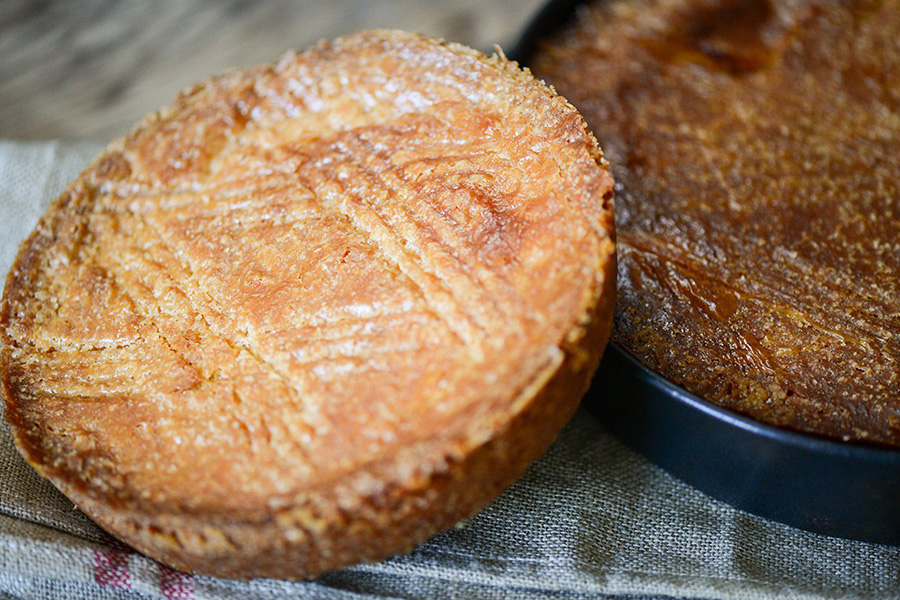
{"points": [[317, 311], [756, 144]]}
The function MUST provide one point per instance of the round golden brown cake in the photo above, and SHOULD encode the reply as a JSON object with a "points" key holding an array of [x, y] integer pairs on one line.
{"points": [[756, 144], [314, 312]]}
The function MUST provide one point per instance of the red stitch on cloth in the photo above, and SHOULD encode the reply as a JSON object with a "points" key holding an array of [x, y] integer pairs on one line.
{"points": [[111, 568], [175, 585]]}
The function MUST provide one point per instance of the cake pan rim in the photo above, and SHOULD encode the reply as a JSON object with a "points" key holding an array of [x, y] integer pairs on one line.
{"points": [[791, 437]]}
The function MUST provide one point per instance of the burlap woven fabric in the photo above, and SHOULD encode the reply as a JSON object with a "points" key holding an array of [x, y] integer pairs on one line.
{"points": [[591, 519]]}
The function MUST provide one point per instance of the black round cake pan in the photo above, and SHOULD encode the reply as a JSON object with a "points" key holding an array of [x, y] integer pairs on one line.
{"points": [[821, 485]]}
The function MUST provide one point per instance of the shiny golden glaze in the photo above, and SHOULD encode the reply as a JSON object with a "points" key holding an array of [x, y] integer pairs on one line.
{"points": [[756, 146], [295, 321]]}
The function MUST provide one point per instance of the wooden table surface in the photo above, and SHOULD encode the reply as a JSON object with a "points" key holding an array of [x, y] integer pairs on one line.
{"points": [[89, 69]]}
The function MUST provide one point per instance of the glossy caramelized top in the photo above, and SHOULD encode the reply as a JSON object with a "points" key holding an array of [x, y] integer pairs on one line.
{"points": [[755, 145]]}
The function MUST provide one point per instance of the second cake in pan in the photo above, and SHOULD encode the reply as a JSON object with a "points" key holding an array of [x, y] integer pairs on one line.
{"points": [[755, 145]]}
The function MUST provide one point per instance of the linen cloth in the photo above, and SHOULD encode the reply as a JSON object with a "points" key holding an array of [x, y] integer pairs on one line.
{"points": [[590, 519]]}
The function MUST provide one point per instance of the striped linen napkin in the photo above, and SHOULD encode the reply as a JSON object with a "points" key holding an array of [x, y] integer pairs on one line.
{"points": [[590, 519]]}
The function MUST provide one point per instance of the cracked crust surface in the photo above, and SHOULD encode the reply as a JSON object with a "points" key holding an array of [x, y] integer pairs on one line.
{"points": [[756, 145], [316, 311]]}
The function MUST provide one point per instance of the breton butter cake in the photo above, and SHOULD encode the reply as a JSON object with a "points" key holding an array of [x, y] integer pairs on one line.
{"points": [[314, 312], [756, 147]]}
